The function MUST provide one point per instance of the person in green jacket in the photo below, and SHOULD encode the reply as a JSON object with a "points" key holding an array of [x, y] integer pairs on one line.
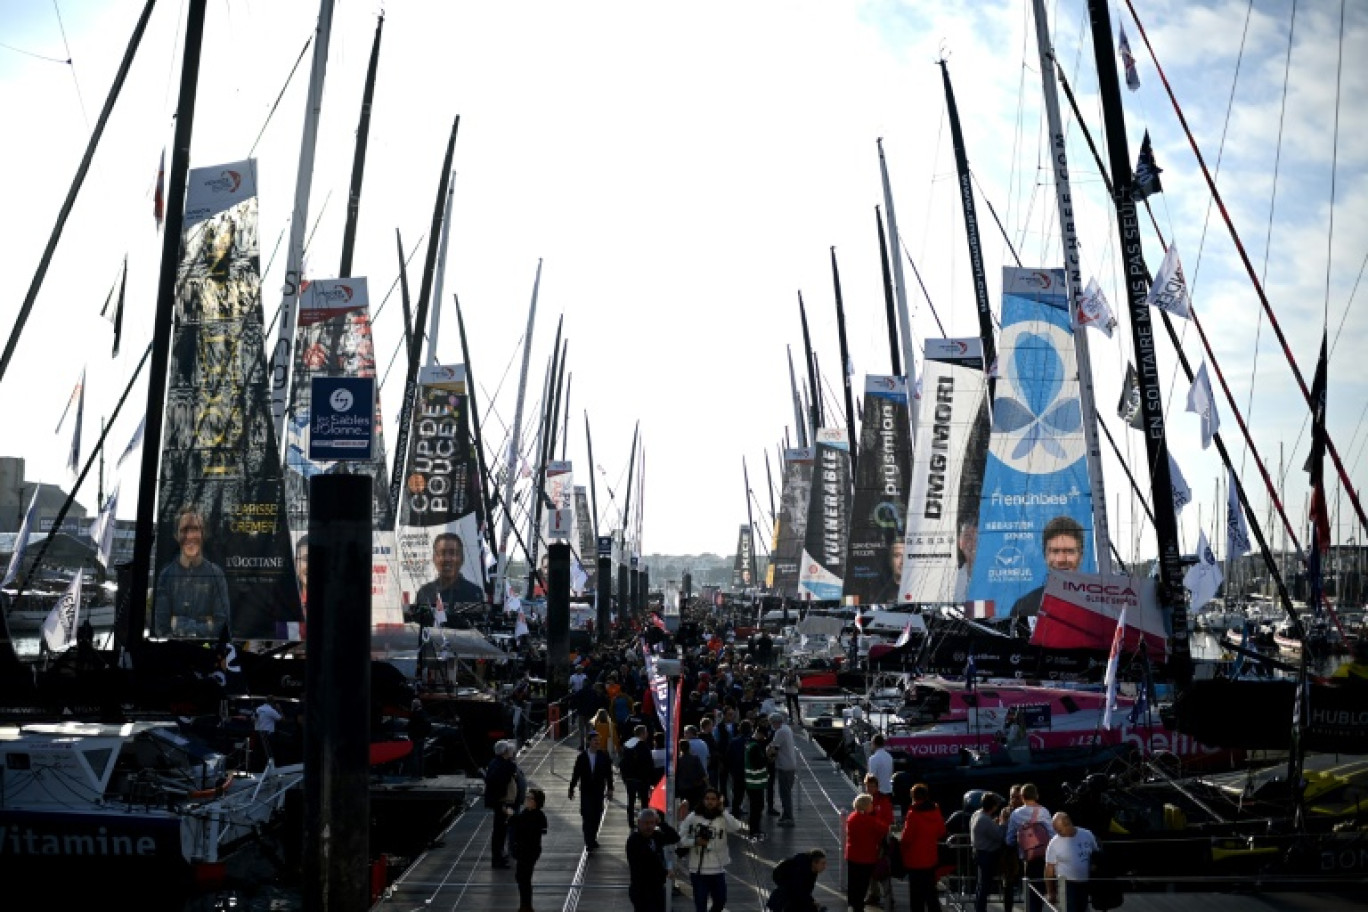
{"points": [[757, 779]]}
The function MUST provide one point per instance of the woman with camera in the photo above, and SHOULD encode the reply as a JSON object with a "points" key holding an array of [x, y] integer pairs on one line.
{"points": [[703, 850]]}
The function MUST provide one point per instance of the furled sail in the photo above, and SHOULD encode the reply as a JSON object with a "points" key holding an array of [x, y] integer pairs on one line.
{"points": [[743, 567], [878, 517], [791, 526], [822, 567]]}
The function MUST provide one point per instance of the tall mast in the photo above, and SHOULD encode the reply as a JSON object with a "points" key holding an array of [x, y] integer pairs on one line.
{"points": [[1064, 200], [565, 411], [627, 505], [845, 361], [769, 487], [1171, 594], [511, 462], [750, 517], [359, 157], [548, 429], [815, 405], [889, 304], [435, 318], [985, 310], [593, 486], [299, 221], [161, 338], [900, 292], [800, 426], [477, 433]]}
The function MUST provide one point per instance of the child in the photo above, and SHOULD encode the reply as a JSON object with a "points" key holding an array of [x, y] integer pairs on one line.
{"points": [[526, 829]]}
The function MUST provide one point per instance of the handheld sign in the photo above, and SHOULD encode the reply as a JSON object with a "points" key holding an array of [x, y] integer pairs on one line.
{"points": [[342, 418]]}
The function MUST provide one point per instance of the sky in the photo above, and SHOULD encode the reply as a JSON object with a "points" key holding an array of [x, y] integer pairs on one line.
{"points": [[682, 174]]}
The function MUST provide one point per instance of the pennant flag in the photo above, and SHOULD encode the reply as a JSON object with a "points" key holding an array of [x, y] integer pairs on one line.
{"points": [[1128, 409], [970, 671], [1113, 667], [1315, 463], [1204, 577], [1128, 60], [905, 636], [133, 443], [1094, 311], [1145, 182], [59, 627], [159, 194], [1182, 494], [1237, 533], [102, 531], [1169, 291], [119, 309], [75, 397], [74, 454], [1201, 401], [21, 543]]}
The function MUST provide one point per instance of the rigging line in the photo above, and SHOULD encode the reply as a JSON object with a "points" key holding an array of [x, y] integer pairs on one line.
{"points": [[1353, 293], [1272, 205], [288, 79], [80, 99], [18, 50], [1334, 170], [996, 221], [395, 284], [1249, 269], [926, 294]]}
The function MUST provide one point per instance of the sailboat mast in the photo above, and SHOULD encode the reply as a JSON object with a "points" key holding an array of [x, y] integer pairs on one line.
{"points": [[889, 305], [900, 292], [1171, 594], [845, 361], [435, 318], [136, 600], [359, 156], [985, 310], [548, 421], [799, 424], [404, 293], [511, 463], [299, 221], [1064, 200], [769, 488], [593, 485], [565, 411], [750, 516], [815, 404], [478, 436], [623, 596]]}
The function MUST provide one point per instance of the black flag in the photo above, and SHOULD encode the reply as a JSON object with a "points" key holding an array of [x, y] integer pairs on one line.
{"points": [[118, 309], [1146, 181], [1315, 463], [1128, 409]]}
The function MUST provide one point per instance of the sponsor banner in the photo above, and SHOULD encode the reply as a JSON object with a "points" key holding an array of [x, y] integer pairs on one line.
{"points": [[440, 500], [1035, 470], [743, 567], [334, 340], [560, 488], [822, 569], [877, 522], [791, 526], [947, 474], [223, 554], [1080, 611], [587, 549]]}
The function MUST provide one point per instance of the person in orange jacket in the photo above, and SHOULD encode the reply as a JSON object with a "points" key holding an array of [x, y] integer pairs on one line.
{"points": [[923, 829]]}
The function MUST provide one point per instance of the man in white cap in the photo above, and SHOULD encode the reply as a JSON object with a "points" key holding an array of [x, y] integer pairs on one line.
{"points": [[785, 765]]}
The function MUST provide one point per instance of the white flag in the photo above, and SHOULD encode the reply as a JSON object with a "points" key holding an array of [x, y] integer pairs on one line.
{"points": [[102, 531], [1169, 291], [74, 454], [133, 443], [59, 628], [578, 578], [1201, 401], [1237, 533], [1094, 311], [1204, 577], [1113, 667], [1182, 494], [21, 543]]}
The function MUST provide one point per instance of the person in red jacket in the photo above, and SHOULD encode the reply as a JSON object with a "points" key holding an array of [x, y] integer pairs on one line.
{"points": [[883, 810], [923, 829], [864, 832]]}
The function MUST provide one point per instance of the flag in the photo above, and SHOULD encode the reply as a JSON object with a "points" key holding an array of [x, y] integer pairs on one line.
{"points": [[59, 628], [970, 671], [1169, 291], [1140, 708], [1128, 60], [1094, 311], [21, 542], [75, 397], [1204, 577], [1315, 463], [159, 194], [1202, 401], [74, 454], [1237, 533], [133, 443], [578, 578], [439, 616], [102, 532], [905, 636], [119, 309], [1128, 409], [1145, 182], [1113, 667], [1182, 494]]}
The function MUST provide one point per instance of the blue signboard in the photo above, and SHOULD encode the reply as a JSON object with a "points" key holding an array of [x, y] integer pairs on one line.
{"points": [[605, 546], [342, 422]]}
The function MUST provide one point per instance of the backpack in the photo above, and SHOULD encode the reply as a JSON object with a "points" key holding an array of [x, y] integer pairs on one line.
{"points": [[1033, 838]]}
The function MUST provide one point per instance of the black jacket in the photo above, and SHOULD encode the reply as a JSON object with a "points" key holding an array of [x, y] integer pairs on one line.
{"points": [[498, 775], [646, 857], [596, 782], [794, 881]]}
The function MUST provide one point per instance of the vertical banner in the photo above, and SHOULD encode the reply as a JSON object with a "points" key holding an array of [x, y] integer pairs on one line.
{"points": [[874, 555], [1035, 480], [743, 567], [791, 526], [334, 340], [439, 511], [947, 474], [822, 568], [588, 554], [223, 549]]}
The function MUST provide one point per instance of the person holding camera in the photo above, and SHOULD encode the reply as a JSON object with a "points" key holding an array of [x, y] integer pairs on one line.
{"points": [[703, 850]]}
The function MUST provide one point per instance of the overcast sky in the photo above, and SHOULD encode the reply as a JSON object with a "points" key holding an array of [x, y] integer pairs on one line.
{"points": [[683, 172]]}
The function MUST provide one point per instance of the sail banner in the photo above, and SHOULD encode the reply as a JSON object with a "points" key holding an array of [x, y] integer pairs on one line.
{"points": [[584, 523], [439, 509], [743, 566], [223, 544], [947, 473], [874, 552], [1081, 611], [559, 496], [334, 340], [791, 526], [821, 569], [1035, 479]]}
